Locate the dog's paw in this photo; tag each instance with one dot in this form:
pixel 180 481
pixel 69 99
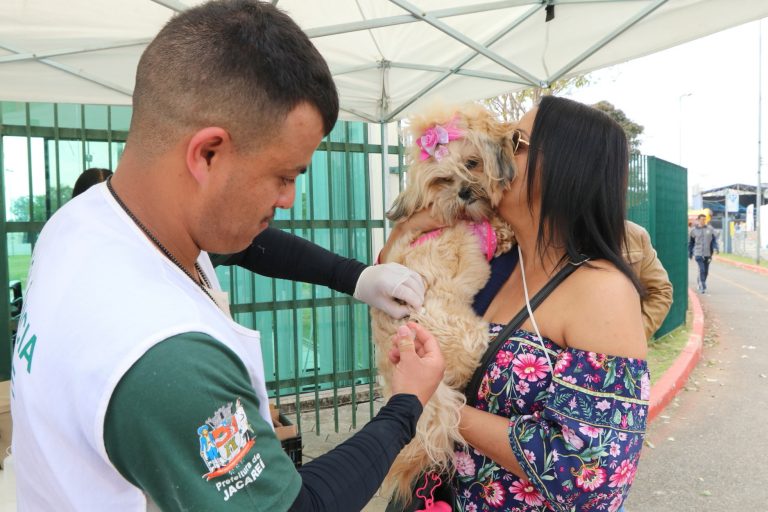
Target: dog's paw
pixel 505 237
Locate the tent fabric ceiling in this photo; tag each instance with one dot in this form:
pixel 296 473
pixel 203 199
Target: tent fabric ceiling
pixel 387 56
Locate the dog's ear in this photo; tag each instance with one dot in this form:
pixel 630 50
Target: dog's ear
pixel 405 204
pixel 499 158
pixel 505 159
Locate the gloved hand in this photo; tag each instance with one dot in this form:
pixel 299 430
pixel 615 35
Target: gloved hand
pixel 380 285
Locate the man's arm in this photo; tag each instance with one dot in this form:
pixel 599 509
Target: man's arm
pixel 654 278
pixel 172 425
pixel 166 431
pixel 691 244
pixel 279 254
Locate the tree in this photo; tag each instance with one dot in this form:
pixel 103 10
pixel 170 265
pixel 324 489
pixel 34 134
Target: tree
pixel 631 128
pixel 512 105
pixel 20 205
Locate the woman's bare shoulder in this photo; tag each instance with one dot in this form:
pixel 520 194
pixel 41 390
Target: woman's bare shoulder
pixel 604 312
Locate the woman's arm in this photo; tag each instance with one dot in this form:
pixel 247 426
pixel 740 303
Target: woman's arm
pixel 489 434
pixel 412 227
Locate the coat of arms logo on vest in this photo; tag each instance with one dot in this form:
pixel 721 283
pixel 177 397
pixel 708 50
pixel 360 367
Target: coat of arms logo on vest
pixel 225 438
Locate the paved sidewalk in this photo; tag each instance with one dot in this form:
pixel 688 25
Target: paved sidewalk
pixel 315 445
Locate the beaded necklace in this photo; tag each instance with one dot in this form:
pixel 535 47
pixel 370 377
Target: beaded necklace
pixel 203 283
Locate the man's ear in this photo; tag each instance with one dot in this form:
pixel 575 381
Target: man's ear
pixel 205 149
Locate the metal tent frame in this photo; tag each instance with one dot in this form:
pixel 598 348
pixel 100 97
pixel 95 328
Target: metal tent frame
pixel 461 49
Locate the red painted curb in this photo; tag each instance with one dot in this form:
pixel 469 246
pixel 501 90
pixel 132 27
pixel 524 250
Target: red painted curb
pixel 676 375
pixel 745 266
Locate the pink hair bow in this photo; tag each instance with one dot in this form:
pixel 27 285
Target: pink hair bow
pixel 435 139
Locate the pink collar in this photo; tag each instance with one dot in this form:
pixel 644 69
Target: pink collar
pixel 482 230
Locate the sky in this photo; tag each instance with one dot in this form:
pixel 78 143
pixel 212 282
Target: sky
pixel 698 103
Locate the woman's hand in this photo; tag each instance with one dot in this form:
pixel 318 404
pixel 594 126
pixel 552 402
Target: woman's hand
pixel 421 222
pixel 413 227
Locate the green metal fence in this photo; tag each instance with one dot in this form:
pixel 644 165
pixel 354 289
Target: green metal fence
pixel 657 200
pixel 313 339
pixel 316 342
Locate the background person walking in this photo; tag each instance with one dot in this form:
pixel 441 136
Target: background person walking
pixel 702 242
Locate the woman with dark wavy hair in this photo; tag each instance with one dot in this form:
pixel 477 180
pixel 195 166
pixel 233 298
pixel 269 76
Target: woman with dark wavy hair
pixel 558 418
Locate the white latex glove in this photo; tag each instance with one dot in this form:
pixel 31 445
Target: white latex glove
pixel 381 286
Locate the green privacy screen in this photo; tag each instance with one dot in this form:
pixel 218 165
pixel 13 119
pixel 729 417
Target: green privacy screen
pixel 657 200
pixel 668 221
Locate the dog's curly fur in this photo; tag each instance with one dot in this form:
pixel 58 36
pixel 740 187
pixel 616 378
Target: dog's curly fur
pixel 465 185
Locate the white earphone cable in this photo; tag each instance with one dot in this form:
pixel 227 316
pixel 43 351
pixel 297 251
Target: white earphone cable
pixel 530 312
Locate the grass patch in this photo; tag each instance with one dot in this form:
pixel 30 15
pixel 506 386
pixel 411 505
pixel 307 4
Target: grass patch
pixel 743 259
pixel 18 267
pixel 663 351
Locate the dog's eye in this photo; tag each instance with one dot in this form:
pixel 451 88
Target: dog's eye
pixel 471 164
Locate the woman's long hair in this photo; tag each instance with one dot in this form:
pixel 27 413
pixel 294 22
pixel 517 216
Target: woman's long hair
pixel 579 158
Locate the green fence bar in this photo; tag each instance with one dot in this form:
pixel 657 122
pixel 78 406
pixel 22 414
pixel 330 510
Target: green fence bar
pixel 371 257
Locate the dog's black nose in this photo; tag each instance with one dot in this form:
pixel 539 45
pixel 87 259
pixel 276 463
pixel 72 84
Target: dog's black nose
pixel 465 193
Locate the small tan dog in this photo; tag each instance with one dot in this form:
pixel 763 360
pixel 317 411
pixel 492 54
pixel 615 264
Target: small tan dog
pixel 459 165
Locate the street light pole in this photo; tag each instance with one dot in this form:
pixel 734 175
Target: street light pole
pixel 680 135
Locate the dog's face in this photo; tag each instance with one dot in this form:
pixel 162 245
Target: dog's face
pixel 463 178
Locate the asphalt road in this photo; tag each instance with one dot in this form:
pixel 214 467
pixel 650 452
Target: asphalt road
pixel 708 450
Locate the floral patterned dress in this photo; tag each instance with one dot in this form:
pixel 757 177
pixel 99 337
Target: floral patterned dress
pixel 577 434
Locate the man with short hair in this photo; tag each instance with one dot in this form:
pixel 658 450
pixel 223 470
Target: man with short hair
pixel 702 243
pixel 128 368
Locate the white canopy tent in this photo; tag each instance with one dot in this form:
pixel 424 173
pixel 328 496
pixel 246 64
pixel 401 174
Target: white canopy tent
pixel 387 56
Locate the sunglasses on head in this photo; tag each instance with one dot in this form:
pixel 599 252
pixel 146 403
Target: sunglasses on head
pixel 518 141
